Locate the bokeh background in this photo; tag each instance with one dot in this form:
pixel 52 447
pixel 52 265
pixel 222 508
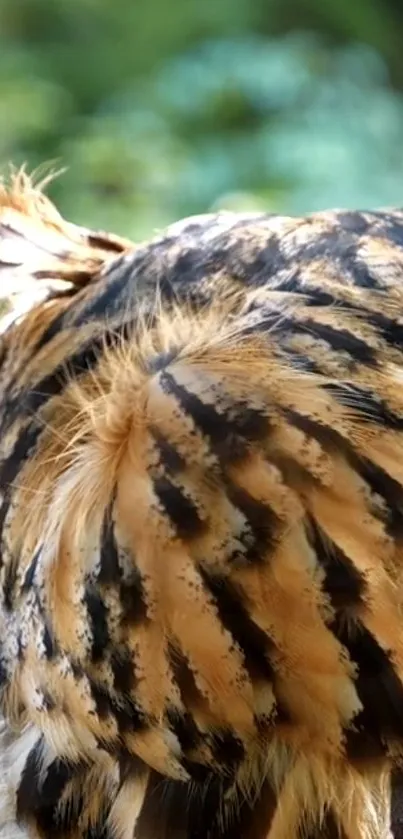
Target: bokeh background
pixel 163 108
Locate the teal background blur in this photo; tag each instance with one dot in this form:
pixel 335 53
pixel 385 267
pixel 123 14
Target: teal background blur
pixel 163 108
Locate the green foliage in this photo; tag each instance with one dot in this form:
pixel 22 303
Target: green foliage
pixel 162 110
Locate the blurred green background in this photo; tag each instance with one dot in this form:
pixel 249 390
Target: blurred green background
pixel 163 108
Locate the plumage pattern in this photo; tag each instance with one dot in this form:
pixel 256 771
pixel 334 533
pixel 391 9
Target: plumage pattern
pixel 202 527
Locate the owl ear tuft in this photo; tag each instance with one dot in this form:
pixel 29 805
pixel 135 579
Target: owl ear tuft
pixel 37 245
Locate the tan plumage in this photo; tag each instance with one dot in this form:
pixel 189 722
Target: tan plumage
pixel 201 525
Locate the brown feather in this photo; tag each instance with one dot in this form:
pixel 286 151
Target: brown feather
pixel 201 527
